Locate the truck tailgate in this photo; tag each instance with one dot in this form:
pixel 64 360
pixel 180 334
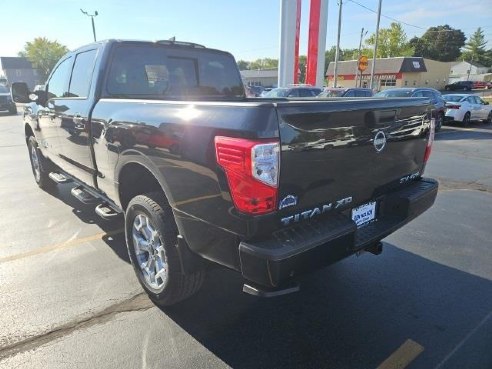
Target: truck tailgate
pixel 343 153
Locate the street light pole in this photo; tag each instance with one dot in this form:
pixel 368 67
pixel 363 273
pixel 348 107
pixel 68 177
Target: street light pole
pixel 337 52
pixel 375 45
pixel 92 19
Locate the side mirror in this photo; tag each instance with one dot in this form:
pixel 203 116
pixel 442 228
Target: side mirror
pixel 20 92
pixel 486 103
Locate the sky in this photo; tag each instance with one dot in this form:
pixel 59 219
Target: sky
pixel 249 29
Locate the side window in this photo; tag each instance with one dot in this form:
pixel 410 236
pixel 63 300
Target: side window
pixel 304 92
pixel 418 94
pixel 470 100
pixel 82 74
pixel 293 93
pixel 58 83
pixel 430 95
pixel 350 93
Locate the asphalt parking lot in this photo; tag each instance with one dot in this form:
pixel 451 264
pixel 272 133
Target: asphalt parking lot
pixel 69 297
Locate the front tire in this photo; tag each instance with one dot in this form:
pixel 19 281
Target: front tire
pixel 39 165
pixel 151 238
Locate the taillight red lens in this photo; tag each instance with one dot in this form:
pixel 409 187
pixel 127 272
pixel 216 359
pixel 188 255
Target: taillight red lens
pixel 251 168
pixel 452 106
pixel 430 141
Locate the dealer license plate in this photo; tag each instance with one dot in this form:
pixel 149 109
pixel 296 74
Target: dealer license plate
pixel 364 214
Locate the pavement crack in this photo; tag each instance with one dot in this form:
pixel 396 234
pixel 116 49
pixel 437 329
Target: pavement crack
pixel 138 302
pixel 447 184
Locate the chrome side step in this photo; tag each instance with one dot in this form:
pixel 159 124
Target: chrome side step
pixel 59 178
pixel 83 196
pixel 107 212
pixel 260 291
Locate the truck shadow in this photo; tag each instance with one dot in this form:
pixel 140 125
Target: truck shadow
pixel 353 314
pixel 114 237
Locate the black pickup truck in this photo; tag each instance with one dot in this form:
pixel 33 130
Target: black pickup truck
pixel 162 133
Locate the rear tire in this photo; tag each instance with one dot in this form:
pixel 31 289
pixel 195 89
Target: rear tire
pixel 489 118
pixel 151 238
pixel 13 110
pixel 39 165
pixel 466 119
pixel 439 121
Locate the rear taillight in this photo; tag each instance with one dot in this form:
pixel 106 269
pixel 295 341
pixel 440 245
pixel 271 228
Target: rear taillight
pixel 430 141
pixel 452 106
pixel 252 171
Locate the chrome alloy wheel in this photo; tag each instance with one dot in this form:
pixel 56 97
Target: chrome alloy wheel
pixel 150 253
pixel 35 163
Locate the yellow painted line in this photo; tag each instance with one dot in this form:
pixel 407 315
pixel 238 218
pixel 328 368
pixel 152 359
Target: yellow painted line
pixel 196 199
pixel 403 356
pixel 60 246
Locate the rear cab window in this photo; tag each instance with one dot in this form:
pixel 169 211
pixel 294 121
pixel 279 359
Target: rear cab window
pixel 153 71
pixel 83 67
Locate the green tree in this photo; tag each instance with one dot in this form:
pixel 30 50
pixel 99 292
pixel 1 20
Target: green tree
pixel 474 50
pixel 392 42
pixel 43 54
pixel 302 68
pixel 442 43
pixel 264 63
pixel 345 54
pixel 243 64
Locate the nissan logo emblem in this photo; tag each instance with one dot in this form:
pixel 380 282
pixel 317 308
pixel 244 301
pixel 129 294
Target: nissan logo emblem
pixel 379 141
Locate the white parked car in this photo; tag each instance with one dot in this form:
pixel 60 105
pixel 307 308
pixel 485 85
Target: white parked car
pixel 465 108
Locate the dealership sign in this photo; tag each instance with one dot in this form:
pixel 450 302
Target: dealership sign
pixel 381 76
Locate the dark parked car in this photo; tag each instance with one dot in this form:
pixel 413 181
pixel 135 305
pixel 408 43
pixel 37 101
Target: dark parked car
pixel 346 92
pixel 6 103
pixel 460 85
pixel 295 91
pixel 434 96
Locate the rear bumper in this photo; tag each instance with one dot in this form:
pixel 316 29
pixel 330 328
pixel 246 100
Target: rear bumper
pixel 453 115
pixel 300 249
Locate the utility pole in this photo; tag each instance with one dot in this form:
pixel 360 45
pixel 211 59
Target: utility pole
pixel 92 19
pixel 337 53
pixel 362 34
pixel 375 45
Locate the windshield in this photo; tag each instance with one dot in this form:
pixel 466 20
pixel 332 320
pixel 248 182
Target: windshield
pixel 4 89
pixel 394 93
pixel 277 92
pixel 453 98
pixel 156 72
